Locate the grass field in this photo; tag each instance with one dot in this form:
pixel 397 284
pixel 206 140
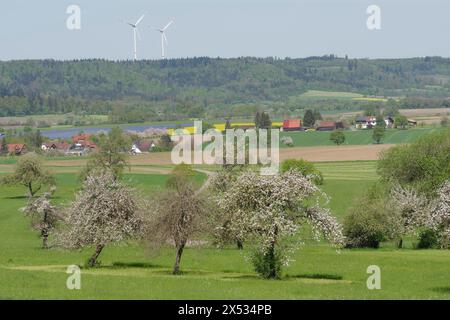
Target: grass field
pixel 359 137
pixel 127 272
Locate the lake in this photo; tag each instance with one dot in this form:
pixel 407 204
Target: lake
pixel 69 133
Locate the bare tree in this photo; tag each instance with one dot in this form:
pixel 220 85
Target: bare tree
pixel 43 214
pixel 176 213
pixel 105 211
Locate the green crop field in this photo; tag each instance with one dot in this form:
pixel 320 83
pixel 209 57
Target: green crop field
pixel 128 272
pixel 317 94
pixel 359 137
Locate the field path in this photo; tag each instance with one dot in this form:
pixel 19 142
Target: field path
pixel 205 186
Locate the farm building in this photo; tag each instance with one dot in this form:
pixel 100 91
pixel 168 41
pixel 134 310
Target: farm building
pixel 329 126
pixel 292 125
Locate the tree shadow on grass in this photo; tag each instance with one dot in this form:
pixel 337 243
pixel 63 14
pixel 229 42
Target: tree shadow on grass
pixel 16 197
pixel 442 290
pixel 124 265
pixel 315 276
pixel 318 276
pixel 243 277
pixel 184 272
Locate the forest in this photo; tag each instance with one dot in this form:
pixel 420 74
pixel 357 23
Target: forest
pixel 174 89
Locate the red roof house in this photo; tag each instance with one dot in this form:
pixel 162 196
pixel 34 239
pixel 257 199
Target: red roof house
pixel 84 141
pixel 16 149
pixel 81 138
pixel 292 125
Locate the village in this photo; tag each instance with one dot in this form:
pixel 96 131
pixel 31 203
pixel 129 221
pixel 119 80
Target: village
pixel 159 140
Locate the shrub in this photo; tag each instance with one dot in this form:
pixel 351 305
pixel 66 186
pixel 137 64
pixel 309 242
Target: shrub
pixel 338 137
pixel 367 223
pixel 287 141
pixel 306 168
pixel 268 264
pixel 427 239
pixel 422 165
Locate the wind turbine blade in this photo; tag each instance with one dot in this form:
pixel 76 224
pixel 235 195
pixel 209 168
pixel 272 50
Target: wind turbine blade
pixel 165 39
pixel 139 21
pixel 168 25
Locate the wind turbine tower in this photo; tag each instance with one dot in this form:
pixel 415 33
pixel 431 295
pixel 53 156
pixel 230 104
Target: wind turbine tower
pixel 164 41
pixel 135 34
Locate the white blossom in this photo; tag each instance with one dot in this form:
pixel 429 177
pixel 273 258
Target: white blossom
pixel 439 215
pixel 272 207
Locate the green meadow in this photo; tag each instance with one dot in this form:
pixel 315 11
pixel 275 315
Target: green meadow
pixel 128 271
pixel 359 137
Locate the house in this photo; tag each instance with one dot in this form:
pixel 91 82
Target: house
pixel 16 149
pixel 135 149
pixel 142 146
pixel 389 122
pixel 365 122
pixel 292 125
pixel 329 126
pixel 60 146
pixel 77 150
pixel 83 141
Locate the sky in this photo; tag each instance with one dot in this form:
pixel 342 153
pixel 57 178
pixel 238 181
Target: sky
pixel 32 29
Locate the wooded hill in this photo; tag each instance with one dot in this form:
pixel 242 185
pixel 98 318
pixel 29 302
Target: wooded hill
pixel 213 87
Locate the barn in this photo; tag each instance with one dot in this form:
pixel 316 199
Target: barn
pixel 328 126
pixel 292 125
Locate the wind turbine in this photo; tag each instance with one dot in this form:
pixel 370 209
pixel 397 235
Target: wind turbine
pixel 135 33
pixel 164 41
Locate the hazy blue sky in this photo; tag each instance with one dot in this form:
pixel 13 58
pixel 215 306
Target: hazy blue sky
pixel 226 28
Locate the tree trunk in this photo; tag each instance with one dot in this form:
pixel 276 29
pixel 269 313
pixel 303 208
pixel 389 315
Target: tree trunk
pixel 44 231
pixel 240 245
pixel 44 234
pixel 30 190
pixel 93 258
pixel 176 267
pixel 271 258
pixel 400 243
pixel 445 239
